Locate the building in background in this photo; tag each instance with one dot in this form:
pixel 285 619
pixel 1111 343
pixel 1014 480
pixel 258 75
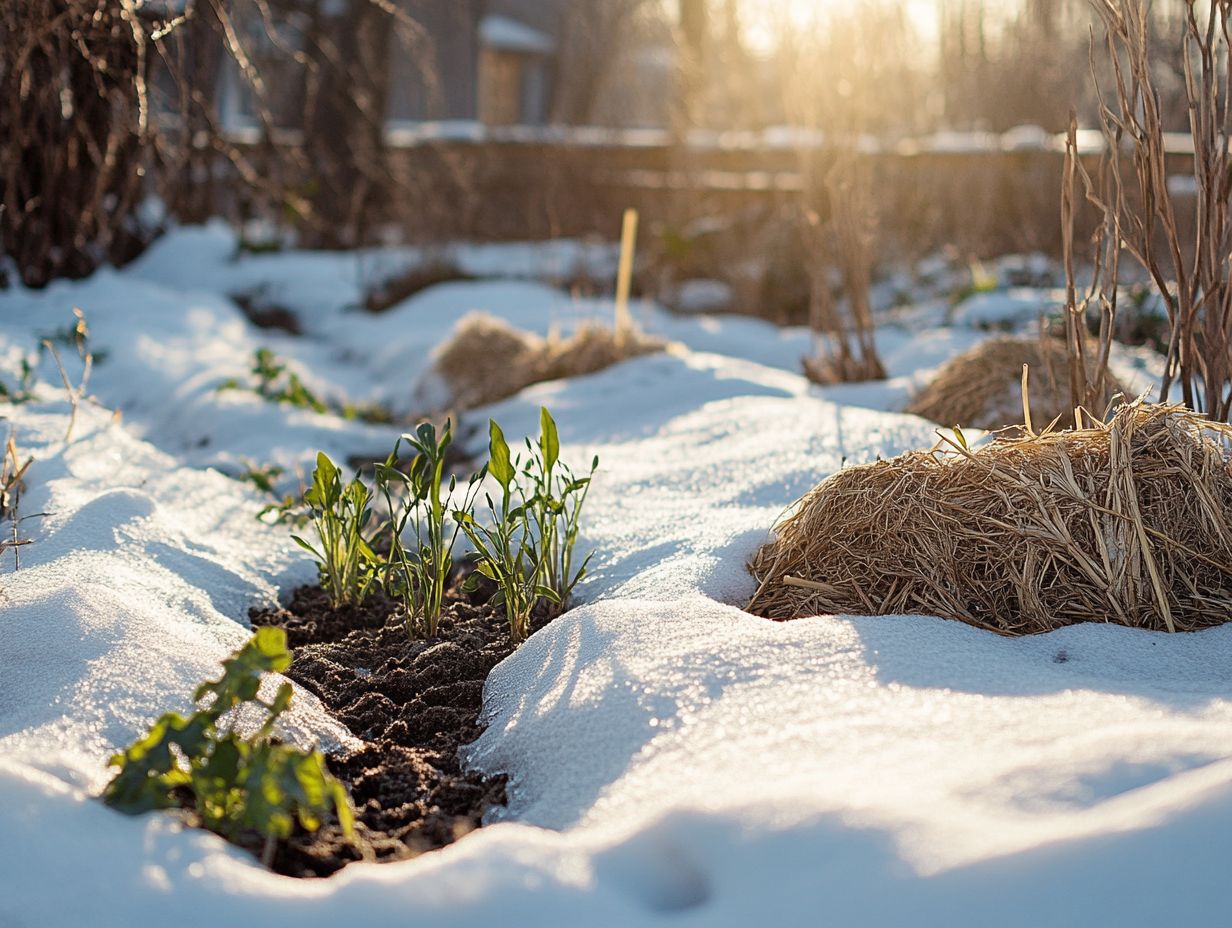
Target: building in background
pixel 478 62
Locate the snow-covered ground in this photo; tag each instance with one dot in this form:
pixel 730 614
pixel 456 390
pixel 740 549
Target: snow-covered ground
pixel 670 757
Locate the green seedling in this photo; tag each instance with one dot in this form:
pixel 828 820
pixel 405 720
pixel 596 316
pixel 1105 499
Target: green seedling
pixel 263 476
pixel 348 567
pixel 23 390
pixel 555 507
pixel 372 413
pixel 284 508
pixel 506 553
pixel 419 574
pixel 982 281
pixel 527 549
pixel 237 784
pixel 274 382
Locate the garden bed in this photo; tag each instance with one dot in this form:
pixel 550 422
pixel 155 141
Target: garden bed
pixel 413 702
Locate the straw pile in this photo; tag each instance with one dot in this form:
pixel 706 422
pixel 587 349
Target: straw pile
pixel 487 359
pixel 982 388
pixel 1125 521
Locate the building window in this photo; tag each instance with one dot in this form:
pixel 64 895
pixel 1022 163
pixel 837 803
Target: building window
pixel 512 85
pixel 500 87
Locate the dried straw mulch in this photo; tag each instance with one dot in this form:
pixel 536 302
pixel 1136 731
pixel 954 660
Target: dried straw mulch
pixel 1125 521
pixel 487 359
pixel 982 388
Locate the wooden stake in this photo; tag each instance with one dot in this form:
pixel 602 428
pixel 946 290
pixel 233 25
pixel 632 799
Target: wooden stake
pixel 624 276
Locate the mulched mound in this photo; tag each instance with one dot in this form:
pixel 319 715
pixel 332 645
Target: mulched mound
pixel 414 703
pixel 982 388
pixel 487 360
pixel 1126 522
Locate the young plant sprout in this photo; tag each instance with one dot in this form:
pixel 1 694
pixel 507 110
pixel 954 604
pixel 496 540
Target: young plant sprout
pixel 555 506
pixel 419 576
pixel 527 550
pixel 236 783
pixel 276 383
pixel 507 554
pixel 525 547
pixel 347 565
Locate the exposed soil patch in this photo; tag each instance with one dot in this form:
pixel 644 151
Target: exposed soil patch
pixel 267 315
pixel 392 291
pixel 413 702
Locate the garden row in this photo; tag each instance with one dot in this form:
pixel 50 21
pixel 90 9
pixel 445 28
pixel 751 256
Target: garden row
pixel 396 641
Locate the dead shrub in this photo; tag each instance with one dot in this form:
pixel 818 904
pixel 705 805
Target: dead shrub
pixel 487 359
pixel 1140 216
pixel 74 128
pixel 982 388
pixel 1123 522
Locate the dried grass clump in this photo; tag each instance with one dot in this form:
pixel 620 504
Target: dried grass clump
pixel 593 347
pixel 1125 522
pixel 982 388
pixel 487 359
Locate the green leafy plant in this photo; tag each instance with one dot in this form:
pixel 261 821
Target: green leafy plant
pixel 237 784
pixel 372 413
pixel 284 507
pixel 526 548
pixel 262 476
pixel 505 549
pixel 23 390
pixel 418 576
pixel 347 565
pixel 981 281
pixel 557 496
pixel 287 509
pixel 274 382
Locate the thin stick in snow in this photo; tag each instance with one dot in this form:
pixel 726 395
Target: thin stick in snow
pixel 624 276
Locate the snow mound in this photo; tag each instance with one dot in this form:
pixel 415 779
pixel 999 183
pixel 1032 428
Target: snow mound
pixel 1007 309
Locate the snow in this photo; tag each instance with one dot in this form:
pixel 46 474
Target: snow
pixel 703 296
pixel 508 34
pixel 1028 138
pixel 1008 308
pixel 669 755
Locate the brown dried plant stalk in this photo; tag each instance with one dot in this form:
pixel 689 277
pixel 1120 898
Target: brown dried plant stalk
pixel 1089 380
pixel 1189 267
pixel 844 346
pixel 12 474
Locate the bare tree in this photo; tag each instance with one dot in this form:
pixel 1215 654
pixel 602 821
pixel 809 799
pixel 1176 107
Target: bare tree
pixel 694 32
pixel 593 34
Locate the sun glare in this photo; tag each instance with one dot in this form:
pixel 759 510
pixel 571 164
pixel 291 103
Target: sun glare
pixel 766 21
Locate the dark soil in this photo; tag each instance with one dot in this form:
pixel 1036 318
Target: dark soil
pixel 413 702
pixel 266 315
pixel 394 290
